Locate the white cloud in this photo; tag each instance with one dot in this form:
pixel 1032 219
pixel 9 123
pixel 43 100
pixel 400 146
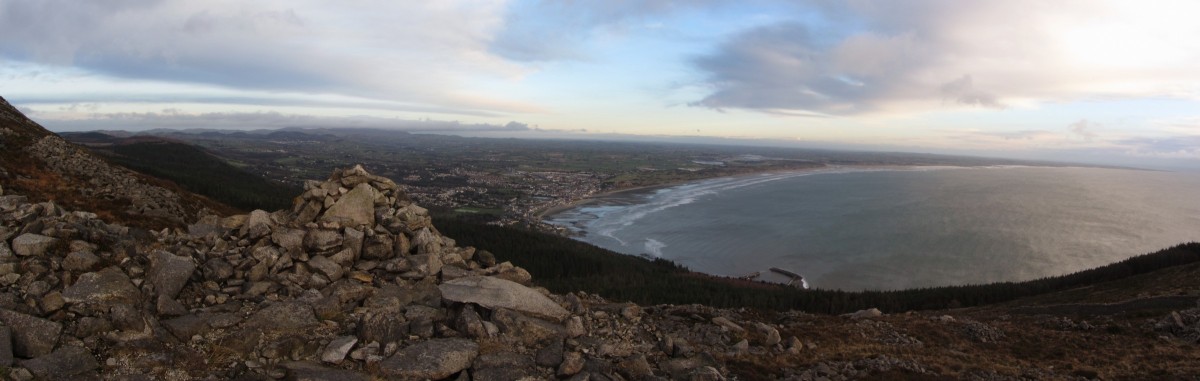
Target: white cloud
pixel 418 52
pixel 891 56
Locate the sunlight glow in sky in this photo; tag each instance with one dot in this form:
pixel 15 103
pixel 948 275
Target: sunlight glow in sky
pixel 1100 81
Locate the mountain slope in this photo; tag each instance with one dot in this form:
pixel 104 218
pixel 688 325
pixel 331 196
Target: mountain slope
pixel 45 167
pixel 190 166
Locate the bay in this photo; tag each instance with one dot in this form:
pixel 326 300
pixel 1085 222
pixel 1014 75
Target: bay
pixel 895 228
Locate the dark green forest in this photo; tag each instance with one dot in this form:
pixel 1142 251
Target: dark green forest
pixel 202 173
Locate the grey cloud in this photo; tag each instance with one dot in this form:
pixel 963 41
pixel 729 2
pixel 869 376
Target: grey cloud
pixel 516 126
pixel 1178 147
pixel 1082 129
pixel 963 91
pixel 786 67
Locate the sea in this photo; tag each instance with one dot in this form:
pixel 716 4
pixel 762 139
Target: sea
pixel 855 228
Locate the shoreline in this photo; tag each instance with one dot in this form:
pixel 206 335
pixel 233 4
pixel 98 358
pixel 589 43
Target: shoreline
pixel 541 215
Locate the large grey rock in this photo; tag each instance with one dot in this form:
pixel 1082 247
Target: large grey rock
pixel 169 273
pixel 434 359
pixel 382 328
pixel 505 366
pixel 68 362
pixel 258 224
pixel 307 371
pixel 283 316
pixel 494 293
pixel 524 329
pixel 31 336
pixel 30 244
pixel 105 288
pixel 355 208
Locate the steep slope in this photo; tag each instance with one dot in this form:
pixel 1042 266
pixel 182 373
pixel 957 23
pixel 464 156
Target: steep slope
pixel 355 283
pixel 43 166
pixel 189 166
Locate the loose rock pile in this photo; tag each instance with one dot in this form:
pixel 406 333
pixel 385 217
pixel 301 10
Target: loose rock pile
pixel 353 282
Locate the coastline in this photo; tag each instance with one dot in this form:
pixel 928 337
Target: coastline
pixel 542 213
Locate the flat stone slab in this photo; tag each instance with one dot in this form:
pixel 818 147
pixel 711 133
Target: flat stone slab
pixel 493 293
pixel 104 287
pixel 431 360
pixel 307 371
pixel 66 363
pixel 355 208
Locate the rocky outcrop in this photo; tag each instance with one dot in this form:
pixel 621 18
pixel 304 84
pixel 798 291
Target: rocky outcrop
pixel 44 166
pixel 353 282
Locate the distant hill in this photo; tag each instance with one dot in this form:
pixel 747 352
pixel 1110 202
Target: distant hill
pixel 45 167
pixel 192 167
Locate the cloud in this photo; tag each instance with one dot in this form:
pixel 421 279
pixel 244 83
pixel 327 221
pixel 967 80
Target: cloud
pixel 1082 129
pixel 547 30
pixel 962 90
pixel 1178 147
pixel 914 56
pixel 178 119
pixel 426 53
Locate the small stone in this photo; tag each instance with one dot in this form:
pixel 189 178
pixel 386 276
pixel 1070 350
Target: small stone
pixel 575 327
pixel 30 244
pixel 572 363
pixel 771 335
pixel 337 349
pixel 80 261
pixel 258 224
pixel 635 368
pixel 323 265
pixel 865 314
pixel 169 273
pixel 741 346
pixel 20 374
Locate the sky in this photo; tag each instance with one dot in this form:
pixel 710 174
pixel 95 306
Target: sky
pixel 1094 81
